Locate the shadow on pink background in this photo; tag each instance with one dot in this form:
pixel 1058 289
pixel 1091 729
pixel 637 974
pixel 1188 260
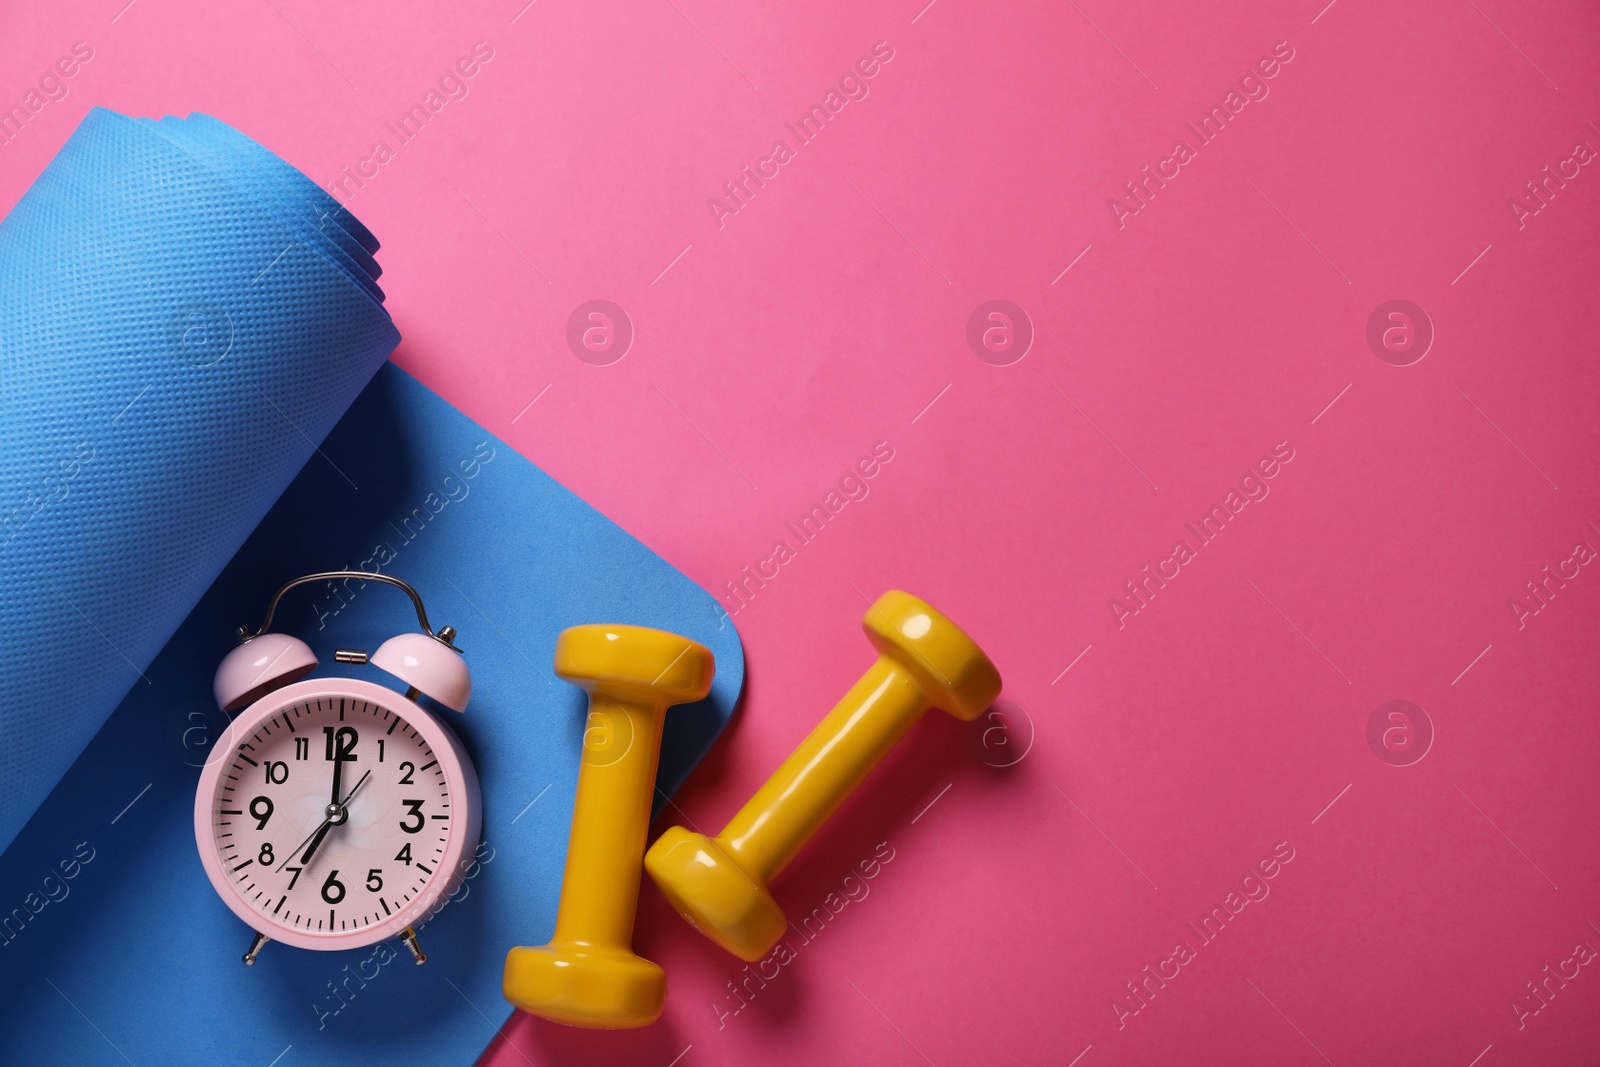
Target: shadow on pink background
pixel 1212 325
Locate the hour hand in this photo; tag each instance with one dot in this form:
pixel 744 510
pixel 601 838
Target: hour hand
pixel 316 840
pixel 320 832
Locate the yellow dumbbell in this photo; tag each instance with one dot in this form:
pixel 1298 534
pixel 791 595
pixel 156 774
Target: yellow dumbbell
pixel 720 884
pixel 588 975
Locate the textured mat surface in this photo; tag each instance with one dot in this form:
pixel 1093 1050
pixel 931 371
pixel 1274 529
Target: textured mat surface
pixel 137 939
pixel 182 315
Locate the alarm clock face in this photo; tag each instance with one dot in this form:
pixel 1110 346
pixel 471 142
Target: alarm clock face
pixel 334 813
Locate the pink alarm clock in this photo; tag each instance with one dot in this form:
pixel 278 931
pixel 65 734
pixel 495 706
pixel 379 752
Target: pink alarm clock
pixel 334 812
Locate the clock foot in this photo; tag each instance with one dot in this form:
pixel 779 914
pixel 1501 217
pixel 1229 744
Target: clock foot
pixel 255 947
pixel 409 936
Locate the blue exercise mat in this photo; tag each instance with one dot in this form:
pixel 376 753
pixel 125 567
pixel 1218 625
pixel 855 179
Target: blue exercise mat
pixel 113 946
pixel 182 315
pixel 140 944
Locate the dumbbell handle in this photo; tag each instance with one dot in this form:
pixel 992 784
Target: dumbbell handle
pixel 610 821
pixel 833 759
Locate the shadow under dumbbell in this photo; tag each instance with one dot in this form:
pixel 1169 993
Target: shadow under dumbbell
pixel 910 784
pixel 831 880
pixel 713 768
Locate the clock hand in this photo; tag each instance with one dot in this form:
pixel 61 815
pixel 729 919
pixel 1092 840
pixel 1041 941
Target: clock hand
pixel 322 829
pixel 314 838
pixel 333 804
pixel 327 824
pixel 338 767
pixel 346 801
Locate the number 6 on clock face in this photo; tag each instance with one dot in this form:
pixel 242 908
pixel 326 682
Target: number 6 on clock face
pixel 335 813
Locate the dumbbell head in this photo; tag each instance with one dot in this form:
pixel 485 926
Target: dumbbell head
pixel 949 666
pixel 730 905
pixel 635 663
pixel 601 986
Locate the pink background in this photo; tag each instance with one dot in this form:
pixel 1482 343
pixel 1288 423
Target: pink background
pixel 1160 760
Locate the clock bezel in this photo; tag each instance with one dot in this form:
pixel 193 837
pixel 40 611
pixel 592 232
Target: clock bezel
pixel 458 770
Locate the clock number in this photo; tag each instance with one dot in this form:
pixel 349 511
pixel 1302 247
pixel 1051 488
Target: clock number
pixel 277 771
pixel 409 768
pixel 380 750
pixel 374 880
pixel 404 855
pixel 265 857
pixel 415 809
pixel 302 748
pixel 296 877
pixel 333 889
pixel 261 811
pixel 341 743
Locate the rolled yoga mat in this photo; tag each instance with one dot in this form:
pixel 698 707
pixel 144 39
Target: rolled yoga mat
pixel 181 258
pixel 183 318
